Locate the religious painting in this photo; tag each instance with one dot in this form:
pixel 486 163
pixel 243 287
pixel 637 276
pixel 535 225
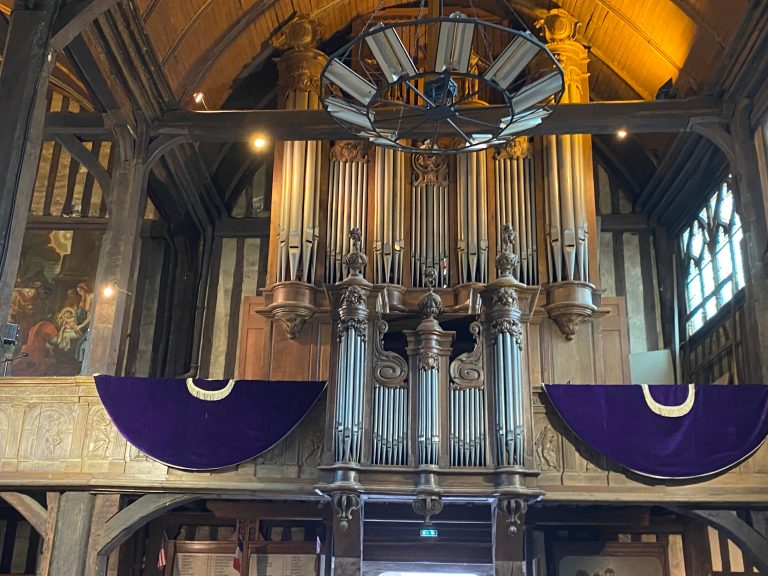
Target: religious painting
pixel 611 559
pixel 52 302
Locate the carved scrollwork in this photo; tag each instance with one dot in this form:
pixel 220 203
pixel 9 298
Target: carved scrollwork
pixel 349 151
pixel 345 503
pixel 429 361
pixel 467 370
pixel 508 326
pixel 359 325
pixel 515 148
pixel 513 508
pixel 427 506
pixel 389 369
pixel 430 169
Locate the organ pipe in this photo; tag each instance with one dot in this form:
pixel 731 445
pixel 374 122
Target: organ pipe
pixel 515 204
pixel 389 191
pixel 429 219
pixel 298 225
pixel 348 204
pixel 472 245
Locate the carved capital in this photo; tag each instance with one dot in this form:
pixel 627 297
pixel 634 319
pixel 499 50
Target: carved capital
pixel 506 298
pixel 429 361
pixel 301 33
pixel 558 25
pixel 344 504
pixel 508 326
pixel 359 325
pixel 354 297
pixel 513 509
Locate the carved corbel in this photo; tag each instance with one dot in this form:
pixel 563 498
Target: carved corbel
pixel 513 509
pixel 569 304
pixel 344 504
pixel 428 505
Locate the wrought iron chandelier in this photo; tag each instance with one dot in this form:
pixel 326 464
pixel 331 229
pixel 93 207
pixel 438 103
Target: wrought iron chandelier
pixel 441 85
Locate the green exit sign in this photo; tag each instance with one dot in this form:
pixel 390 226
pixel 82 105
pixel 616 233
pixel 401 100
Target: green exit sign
pixel 428 532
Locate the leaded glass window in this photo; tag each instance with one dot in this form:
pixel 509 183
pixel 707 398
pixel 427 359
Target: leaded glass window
pixel 711 248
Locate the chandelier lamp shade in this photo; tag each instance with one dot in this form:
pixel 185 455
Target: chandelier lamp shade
pixel 445 84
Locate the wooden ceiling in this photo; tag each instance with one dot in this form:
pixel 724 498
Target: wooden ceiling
pixel 636 45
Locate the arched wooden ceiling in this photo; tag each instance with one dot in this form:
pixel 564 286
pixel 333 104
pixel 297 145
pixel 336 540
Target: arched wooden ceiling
pixel 636 45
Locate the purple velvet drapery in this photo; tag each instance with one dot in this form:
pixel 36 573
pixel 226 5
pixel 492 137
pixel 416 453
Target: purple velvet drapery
pixel 724 426
pixel 161 418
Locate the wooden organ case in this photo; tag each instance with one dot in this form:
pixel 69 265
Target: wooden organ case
pixel 374 253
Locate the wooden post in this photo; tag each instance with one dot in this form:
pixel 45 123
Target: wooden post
pixel 72 534
pixel 508 548
pixel 26 68
pixel 752 211
pixel 347 546
pixel 117 260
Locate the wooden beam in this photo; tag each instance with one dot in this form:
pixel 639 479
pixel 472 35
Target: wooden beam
pixel 84 125
pixel 240 125
pixel 624 223
pixel 591 118
pixel 87 158
pixel 74 16
pixel 32 511
pixel 123 524
pixel 24 76
pixel 751 542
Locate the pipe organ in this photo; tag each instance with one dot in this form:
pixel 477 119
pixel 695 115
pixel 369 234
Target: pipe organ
pixel 427 355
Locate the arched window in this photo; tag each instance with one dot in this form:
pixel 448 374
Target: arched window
pixel 711 249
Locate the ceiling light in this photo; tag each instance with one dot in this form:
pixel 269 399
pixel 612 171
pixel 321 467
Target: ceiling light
pixel 511 62
pixel 391 55
pixel 259 142
pixel 621 133
pixel 349 81
pixel 483 84
pixel 454 45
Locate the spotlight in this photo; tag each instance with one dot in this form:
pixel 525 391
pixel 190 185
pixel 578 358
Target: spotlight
pixel 108 291
pixel 259 143
pixel 621 133
pixel 199 99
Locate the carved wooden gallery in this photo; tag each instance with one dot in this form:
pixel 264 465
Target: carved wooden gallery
pixel 383 288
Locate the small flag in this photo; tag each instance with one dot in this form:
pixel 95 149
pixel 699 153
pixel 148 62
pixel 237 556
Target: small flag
pixel 162 556
pixel 238 554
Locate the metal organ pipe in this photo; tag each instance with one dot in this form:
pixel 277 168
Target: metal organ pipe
pixel 429 218
pixel 472 247
pixel 347 204
pixel 515 201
